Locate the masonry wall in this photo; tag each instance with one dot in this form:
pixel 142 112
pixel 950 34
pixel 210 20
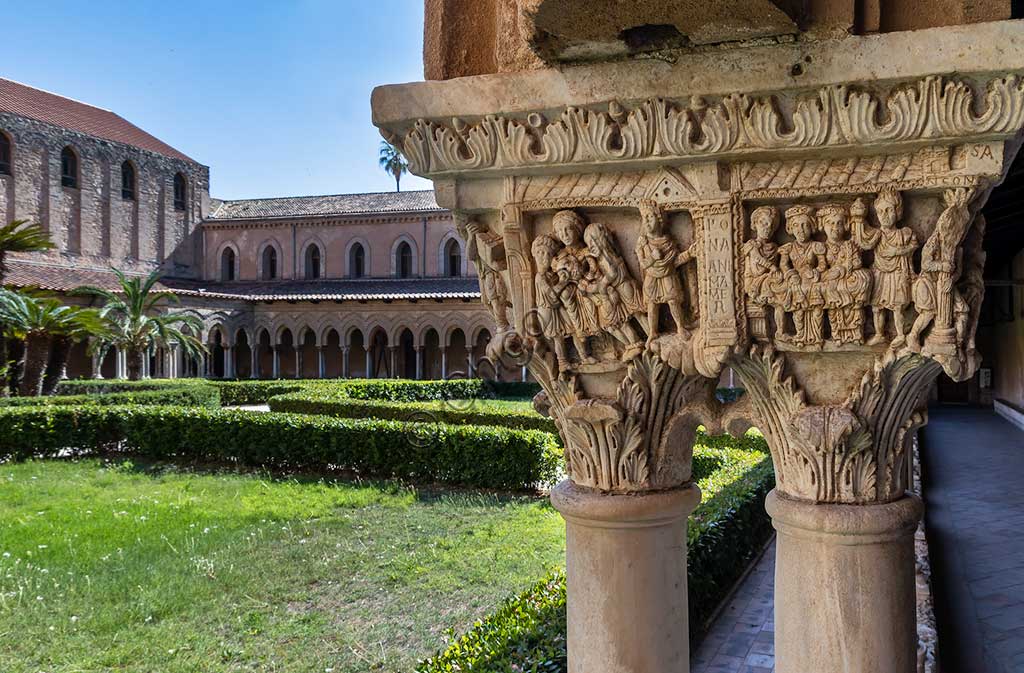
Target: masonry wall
pixel 92 225
pixel 426 233
pixel 1003 345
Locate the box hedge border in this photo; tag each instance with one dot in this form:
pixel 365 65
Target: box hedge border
pixel 725 533
pixel 182 395
pixel 328 403
pixel 478 456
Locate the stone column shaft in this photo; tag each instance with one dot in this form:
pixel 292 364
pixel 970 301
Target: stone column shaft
pixel 277 363
pixel 444 362
pixel 845 586
pixel 344 362
pixel 321 363
pixel 626 574
pixel 419 362
pixel 254 362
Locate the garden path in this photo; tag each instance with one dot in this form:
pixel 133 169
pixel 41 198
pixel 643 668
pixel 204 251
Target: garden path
pixel 742 638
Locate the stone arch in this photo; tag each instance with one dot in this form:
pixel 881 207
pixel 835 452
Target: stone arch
pixel 377 343
pixel 367 270
pixel 7 148
pixel 442 255
pixel 304 258
pixel 302 327
pixel 415 267
pixel 261 260
pixel 129 179
pixel 397 329
pixel 219 260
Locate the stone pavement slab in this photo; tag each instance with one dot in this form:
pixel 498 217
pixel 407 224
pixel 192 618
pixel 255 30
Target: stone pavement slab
pixel 973 463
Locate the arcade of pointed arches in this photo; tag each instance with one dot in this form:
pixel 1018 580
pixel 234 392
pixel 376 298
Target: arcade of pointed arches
pixel 290 347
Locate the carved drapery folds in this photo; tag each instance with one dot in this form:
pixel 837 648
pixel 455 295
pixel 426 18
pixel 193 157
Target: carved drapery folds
pixel 648 248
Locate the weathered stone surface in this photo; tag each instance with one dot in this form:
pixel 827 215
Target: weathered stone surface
pixel 806 214
pixel 464 38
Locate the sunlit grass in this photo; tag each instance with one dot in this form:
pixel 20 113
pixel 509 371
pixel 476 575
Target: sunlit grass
pixel 112 567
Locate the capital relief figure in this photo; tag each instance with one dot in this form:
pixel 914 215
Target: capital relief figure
pixel 802 263
pixel 761 277
pixel 486 249
pixel 847 282
pixel 660 258
pixel 892 271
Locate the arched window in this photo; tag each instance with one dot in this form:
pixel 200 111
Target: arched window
pixel 180 191
pixel 128 181
pixel 5 154
pixel 269 263
pixel 357 261
pixel 312 261
pixel 68 168
pixel 403 260
pixel 452 258
pixel 227 264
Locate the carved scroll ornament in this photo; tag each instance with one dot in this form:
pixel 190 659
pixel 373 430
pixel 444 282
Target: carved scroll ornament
pixel 835 116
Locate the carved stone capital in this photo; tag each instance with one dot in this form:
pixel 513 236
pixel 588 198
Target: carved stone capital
pixel 823 239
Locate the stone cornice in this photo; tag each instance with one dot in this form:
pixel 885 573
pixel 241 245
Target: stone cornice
pixel 412 217
pixel 762 106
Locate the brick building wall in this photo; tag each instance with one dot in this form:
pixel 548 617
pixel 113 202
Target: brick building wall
pixel 92 225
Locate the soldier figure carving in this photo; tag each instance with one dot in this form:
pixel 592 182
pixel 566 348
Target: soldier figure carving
pixel 660 258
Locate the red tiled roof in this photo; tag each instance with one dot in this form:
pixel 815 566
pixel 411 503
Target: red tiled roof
pixel 331 204
pixel 26 101
pixel 64 279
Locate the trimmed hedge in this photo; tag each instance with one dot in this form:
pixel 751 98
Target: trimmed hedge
pixel 256 391
pixel 725 532
pixel 487 457
pixel 513 388
pixel 328 403
pixel 107 386
pixel 405 390
pixel 185 396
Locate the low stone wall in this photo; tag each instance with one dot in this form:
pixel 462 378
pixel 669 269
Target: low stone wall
pixel 1009 412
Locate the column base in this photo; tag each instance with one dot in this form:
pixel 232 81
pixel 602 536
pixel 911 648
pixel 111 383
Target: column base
pixel 626 574
pixel 845 586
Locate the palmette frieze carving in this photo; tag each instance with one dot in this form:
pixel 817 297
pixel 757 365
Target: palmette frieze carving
pixel 933 108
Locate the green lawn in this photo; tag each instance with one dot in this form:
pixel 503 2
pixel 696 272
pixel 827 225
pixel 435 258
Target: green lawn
pixel 114 567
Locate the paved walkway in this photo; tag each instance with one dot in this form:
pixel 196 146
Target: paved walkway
pixel 742 639
pixel 973 464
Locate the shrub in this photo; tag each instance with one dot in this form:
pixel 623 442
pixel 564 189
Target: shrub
pixel 404 390
pixel 314 401
pixel 256 391
pixel 106 386
pixel 186 396
pixel 487 457
pixel 725 532
pixel 513 388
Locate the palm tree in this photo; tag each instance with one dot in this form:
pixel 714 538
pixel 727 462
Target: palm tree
pixel 134 323
pixel 391 160
pixel 78 324
pixel 33 320
pixel 18 236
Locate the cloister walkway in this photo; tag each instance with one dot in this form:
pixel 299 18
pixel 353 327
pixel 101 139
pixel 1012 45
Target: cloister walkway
pixel 973 462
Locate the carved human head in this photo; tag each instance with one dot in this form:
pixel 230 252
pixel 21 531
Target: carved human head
pixel 544 248
pixel 568 226
pixel 764 220
pixel 800 222
pixel 650 218
pixel 889 207
pixel 832 219
pixel 598 238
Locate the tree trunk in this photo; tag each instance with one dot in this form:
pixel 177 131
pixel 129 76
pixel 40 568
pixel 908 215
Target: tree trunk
pixel 135 364
pixel 37 354
pixel 57 365
pixel 16 360
pixel 4 368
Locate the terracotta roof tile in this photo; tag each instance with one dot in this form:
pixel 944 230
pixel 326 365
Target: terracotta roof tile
pixel 332 204
pixel 26 101
pixel 369 289
pixel 64 279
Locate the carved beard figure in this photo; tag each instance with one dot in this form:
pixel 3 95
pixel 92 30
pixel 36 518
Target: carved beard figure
pixel 802 262
pixel 760 273
pixel 847 283
pixel 572 265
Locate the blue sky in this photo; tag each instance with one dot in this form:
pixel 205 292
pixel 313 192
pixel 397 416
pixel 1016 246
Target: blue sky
pixel 273 96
